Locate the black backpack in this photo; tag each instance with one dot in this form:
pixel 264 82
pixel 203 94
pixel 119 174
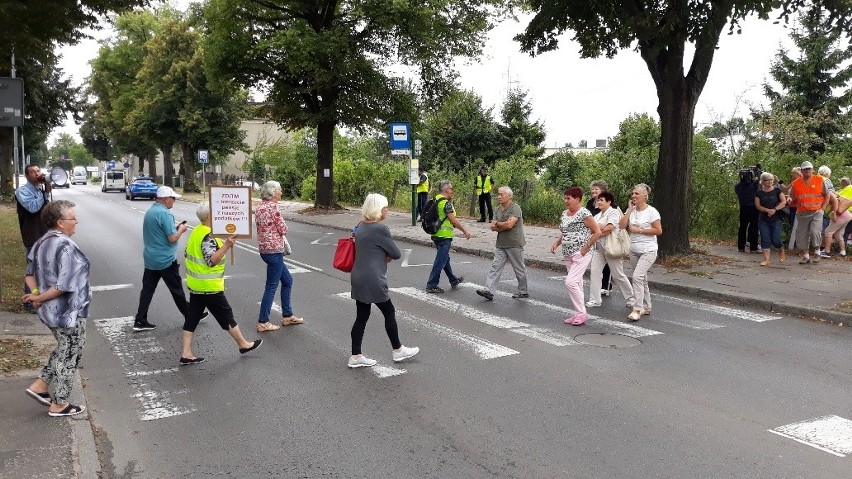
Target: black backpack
pixel 431 222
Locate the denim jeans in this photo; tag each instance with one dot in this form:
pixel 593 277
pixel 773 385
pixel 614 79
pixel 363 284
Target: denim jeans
pixel 770 233
pixel 276 272
pixel 442 262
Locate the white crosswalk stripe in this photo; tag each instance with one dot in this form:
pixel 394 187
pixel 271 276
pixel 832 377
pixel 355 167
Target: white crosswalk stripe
pixel 483 348
pixel 541 334
pixel 735 313
pixel 131 349
pixel 608 325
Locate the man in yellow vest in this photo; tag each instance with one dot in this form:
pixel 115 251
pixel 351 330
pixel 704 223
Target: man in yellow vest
pixel 443 239
pixel 422 191
pixel 483 184
pixel 205 278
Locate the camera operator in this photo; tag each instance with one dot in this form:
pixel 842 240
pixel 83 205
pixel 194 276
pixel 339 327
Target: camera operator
pixel 746 190
pixel 31 199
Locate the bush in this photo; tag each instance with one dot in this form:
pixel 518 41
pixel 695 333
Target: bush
pixel 544 206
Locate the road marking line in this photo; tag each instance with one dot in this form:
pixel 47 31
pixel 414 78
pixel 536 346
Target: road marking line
pixel 541 334
pixel 128 347
pixel 135 374
pixel 481 347
pixel 736 313
pixel 318 240
pixel 110 287
pixel 406 253
pixel 615 327
pixel 831 434
pixel 301 268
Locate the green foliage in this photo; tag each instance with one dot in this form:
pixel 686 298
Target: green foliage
pixel 560 169
pixel 519 135
pixel 461 134
pixel 543 207
pixel 714 211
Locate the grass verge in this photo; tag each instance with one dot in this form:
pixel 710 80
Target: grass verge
pixel 13 262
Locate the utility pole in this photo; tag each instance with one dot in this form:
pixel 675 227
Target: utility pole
pixel 15 164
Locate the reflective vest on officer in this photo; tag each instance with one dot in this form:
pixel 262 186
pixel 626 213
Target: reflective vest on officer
pixel 809 196
pixel 201 278
pixel 424 187
pixel 483 186
pixel 446 228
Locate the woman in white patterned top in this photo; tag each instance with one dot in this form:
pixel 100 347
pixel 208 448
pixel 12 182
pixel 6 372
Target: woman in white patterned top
pixel 578 233
pixel 642 221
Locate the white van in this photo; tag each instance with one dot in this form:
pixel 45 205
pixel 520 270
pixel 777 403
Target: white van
pixel 114 180
pixel 79 176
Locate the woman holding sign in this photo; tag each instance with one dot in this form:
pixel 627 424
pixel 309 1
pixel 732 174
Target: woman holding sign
pixel 272 246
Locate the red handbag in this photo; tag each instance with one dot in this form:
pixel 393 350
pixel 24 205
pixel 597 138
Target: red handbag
pixel 344 255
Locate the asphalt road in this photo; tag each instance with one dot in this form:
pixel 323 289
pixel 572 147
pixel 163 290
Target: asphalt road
pixel 500 389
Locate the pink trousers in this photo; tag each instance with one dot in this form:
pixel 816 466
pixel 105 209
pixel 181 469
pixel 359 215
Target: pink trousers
pixel 576 265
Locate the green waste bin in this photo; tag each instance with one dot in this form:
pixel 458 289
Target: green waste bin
pixel 176 181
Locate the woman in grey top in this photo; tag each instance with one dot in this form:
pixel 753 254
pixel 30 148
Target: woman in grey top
pixel 58 278
pixel 374 249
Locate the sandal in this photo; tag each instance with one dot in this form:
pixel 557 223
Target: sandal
pixel 291 320
pixel 43 398
pixel 70 410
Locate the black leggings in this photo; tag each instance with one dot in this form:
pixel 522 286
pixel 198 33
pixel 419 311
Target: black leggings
pixel 361 317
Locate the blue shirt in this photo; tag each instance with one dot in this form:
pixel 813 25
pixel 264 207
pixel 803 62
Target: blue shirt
pixel 158 225
pixel 56 261
pixel 30 197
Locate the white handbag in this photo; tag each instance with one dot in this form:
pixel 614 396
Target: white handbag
pixel 287 248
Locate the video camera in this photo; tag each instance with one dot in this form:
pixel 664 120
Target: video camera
pixel 751 173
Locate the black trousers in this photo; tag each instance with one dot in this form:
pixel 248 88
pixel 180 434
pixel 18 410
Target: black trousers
pixel 422 198
pixel 485 202
pixel 150 280
pixel 748 227
pixel 218 306
pixel 362 314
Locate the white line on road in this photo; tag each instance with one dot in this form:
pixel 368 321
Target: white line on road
pixel 318 241
pixel 736 313
pixel 298 268
pixel 406 253
pixel 541 334
pixel 832 434
pixel 608 325
pixel 110 287
pixel 129 348
pixel 483 348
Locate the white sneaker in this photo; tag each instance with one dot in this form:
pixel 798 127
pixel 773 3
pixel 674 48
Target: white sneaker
pixel 635 315
pixel 404 353
pixel 361 362
pixel 606 292
pixel 593 304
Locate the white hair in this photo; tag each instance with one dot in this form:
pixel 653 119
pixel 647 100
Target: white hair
pixel 824 170
pixel 202 212
pixel 766 176
pixel 267 191
pixel 372 208
pixel 508 191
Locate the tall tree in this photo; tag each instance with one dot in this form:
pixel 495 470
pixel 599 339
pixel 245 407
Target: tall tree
pixel 461 134
pixel 31 30
pixel 814 83
pixel 519 133
pixel 323 63
pixel 659 31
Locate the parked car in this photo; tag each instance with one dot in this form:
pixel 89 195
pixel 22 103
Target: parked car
pixel 79 176
pixel 141 187
pixel 114 180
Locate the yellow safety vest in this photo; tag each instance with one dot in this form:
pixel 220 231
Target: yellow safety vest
pixel 445 230
pixel 424 188
pixel 201 278
pixel 486 188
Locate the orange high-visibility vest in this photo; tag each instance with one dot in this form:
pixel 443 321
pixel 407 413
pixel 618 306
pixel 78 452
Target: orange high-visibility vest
pixel 809 196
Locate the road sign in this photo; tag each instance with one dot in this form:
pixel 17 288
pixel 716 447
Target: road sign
pixel 418 148
pixel 126 164
pixel 110 165
pixel 400 136
pixel 11 102
pixel 401 152
pixel 203 156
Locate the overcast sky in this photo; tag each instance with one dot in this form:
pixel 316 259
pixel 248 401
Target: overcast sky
pixel 581 99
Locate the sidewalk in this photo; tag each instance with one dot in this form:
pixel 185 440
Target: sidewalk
pixel 810 291
pixel 33 444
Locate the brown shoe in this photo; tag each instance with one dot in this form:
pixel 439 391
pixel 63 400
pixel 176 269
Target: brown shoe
pixel 291 320
pixel 267 326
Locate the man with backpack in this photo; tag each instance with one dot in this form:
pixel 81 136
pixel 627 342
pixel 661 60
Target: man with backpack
pixel 442 235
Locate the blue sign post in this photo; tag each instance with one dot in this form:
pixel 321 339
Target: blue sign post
pixel 110 165
pixel 400 136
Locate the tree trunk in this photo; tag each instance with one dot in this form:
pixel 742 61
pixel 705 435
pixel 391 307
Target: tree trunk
pixel 672 187
pixel 152 165
pixel 189 184
pixel 168 167
pixel 141 166
pixel 325 163
pixel 7 168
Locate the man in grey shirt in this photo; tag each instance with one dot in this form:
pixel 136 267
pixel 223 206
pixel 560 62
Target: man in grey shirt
pixel 509 225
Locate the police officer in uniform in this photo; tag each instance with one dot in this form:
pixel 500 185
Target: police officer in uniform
pixel 483 185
